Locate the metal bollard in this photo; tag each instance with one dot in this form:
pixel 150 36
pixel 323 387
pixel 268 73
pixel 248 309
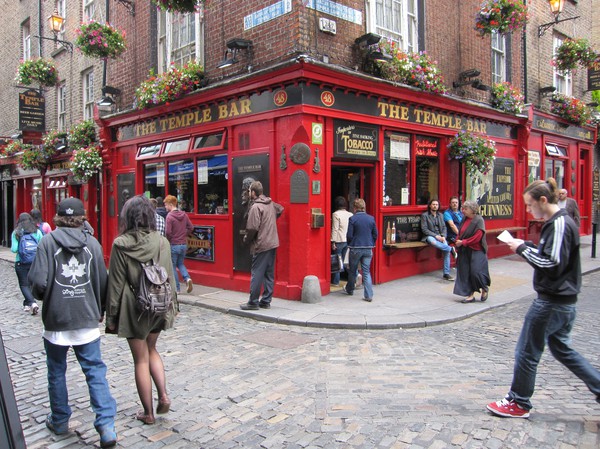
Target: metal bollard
pixel 594 230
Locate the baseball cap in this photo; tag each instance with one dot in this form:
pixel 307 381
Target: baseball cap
pixel 70 207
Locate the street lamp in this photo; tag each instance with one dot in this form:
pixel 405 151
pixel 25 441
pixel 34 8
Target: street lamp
pixel 556 7
pixel 56 22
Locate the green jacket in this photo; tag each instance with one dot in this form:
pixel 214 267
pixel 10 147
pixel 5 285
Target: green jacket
pixel 128 251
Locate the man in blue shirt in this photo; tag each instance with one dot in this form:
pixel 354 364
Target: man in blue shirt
pixel 361 237
pixel 453 217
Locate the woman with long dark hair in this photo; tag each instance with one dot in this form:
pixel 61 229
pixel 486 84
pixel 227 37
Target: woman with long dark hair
pixel 25 225
pixel 137 243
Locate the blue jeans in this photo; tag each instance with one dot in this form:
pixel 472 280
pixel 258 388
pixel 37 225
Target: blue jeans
pixel 177 257
pixel 93 367
pixel 262 275
pixel 553 323
pixel 340 249
pixel 362 256
pixel 22 271
pixel 445 248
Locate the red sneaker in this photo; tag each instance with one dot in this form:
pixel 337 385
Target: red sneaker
pixel 507 409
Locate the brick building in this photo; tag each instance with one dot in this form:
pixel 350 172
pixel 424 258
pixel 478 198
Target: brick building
pixel 302 110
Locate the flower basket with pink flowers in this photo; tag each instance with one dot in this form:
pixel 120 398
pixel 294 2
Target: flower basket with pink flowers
pixel 571 109
pixel 86 162
pixel 181 6
pixel 573 52
pixel 477 153
pixel 100 41
pixel 37 70
pixel 501 16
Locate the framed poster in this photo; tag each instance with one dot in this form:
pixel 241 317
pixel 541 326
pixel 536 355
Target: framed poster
pixel 201 244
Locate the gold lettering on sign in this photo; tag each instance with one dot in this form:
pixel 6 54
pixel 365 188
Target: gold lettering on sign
pixel 143 129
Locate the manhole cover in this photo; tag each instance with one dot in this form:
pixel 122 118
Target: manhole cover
pixel 278 339
pixel 25 345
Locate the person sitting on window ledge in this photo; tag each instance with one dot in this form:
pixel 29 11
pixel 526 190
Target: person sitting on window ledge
pixel 434 232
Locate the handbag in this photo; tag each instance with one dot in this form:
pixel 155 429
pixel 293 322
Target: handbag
pixel 336 263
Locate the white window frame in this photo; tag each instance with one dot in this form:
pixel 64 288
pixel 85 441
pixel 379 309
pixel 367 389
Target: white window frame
pixel 396 20
pixel 61 8
pixel 88 95
pixel 167 33
pixel 89 10
pixel 498 43
pixel 61 107
pixel 26 35
pixel 563 81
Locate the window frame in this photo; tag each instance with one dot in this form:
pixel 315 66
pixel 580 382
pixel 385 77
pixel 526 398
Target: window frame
pixel 89 10
pixel 61 107
pixel 26 40
pixel 563 81
pixel 404 27
pixel 88 94
pixel 499 54
pixel 165 27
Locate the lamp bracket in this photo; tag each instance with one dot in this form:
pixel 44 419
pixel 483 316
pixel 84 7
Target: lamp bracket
pixel 129 4
pixel 67 44
pixel 546 26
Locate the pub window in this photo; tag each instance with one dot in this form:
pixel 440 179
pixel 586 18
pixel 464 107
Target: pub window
pixel 177 146
pixel 427 168
pixel 181 180
pixel 149 151
pixel 396 184
pixel 154 179
pixel 208 141
pixel 212 184
pixel 554 164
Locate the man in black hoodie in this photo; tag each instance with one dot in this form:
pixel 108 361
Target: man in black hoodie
pixel 70 277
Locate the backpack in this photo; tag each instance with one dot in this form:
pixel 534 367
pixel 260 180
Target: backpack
pixel 27 248
pixel 154 294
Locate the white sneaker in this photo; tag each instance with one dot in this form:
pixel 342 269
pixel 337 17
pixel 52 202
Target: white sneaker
pixel 190 285
pixel 27 309
pixel 35 309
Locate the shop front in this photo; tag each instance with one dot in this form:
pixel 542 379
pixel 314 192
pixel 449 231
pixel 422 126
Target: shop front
pixel 308 140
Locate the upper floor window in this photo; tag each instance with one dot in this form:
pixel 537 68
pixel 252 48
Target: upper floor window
pixel 26 34
pixel 61 107
pixel 498 58
pixel 562 80
pixel 396 20
pixel 88 95
pixel 61 8
pixel 179 38
pixel 89 10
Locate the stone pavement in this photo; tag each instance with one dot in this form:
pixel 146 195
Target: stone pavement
pixel 416 301
pixel 244 383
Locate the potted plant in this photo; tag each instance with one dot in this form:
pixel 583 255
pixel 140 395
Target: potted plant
pixel 15 147
pixel 571 109
pixel 501 16
pixel 40 70
pixel 100 40
pixel 573 52
pixel 85 162
pixel 82 134
pixel 477 153
pixel 36 157
pixel 169 86
pixel 412 69
pixel 507 98
pixel 182 6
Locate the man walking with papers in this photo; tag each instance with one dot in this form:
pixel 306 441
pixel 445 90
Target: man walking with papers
pixel 550 319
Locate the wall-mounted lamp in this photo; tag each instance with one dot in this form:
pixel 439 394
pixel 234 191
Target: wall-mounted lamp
pixel 465 79
pixel 369 54
pixel 234 46
pixel 129 5
pixel 477 84
pixel 108 96
pixel 56 22
pixel 545 91
pixel 17 135
pixel 556 7
pixel 367 40
pixel 62 144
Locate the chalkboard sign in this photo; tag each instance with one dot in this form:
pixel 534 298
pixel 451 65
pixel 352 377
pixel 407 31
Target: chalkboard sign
pixel 401 228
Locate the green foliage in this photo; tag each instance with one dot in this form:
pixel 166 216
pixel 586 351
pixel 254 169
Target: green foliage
pixel 477 153
pixel 507 98
pixel 82 134
pixel 571 109
pixel 37 70
pixel 573 52
pixel 85 162
pixel 501 16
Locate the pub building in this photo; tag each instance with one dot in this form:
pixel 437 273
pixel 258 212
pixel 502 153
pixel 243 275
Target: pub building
pixel 309 139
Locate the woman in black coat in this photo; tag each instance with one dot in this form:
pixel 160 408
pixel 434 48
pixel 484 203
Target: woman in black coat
pixel 472 273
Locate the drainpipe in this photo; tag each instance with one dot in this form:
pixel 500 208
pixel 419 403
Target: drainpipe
pixel 524 43
pixel 105 59
pixel 40 28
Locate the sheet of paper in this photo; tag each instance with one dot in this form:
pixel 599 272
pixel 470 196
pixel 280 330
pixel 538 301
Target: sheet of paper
pixel 505 236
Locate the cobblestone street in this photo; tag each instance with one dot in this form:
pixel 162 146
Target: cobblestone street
pixel 240 383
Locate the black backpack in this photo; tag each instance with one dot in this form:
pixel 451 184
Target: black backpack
pixel 154 294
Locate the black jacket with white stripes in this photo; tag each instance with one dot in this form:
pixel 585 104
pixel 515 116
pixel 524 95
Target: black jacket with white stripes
pixel 556 262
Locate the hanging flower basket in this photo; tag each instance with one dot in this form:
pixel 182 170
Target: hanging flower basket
pixel 36 157
pixel 573 52
pixel 169 86
pixel 571 109
pixel 507 98
pixel 86 162
pixel 100 41
pixel 501 16
pixel 477 153
pixel 82 134
pixel 15 147
pixel 182 6
pixel 52 139
pixel 37 70
pixel 412 69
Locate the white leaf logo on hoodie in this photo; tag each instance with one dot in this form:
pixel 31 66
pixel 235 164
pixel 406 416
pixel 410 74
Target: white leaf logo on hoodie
pixel 73 269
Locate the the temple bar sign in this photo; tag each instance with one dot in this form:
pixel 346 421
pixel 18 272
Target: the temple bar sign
pixel 32 111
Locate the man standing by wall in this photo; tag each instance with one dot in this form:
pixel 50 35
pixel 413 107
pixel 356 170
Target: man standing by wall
pixel 453 217
pixel 261 234
pixel 570 205
pixel 434 233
